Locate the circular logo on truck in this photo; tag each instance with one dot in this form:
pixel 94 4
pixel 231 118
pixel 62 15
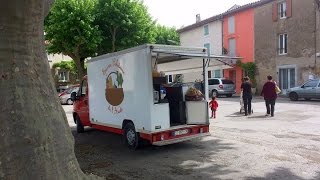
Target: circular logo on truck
pixel 114 91
pixel 114 80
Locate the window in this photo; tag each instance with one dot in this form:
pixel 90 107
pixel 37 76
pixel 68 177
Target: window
pixel 214 82
pixel 83 89
pixel 232 47
pixel 169 78
pixel 206 30
pixel 283 40
pixel 226 81
pixel 287 78
pixel 209 74
pixel 282 10
pixel 63 76
pixel 178 78
pixel 312 83
pixel 217 73
pixel 207 45
pixel 231 25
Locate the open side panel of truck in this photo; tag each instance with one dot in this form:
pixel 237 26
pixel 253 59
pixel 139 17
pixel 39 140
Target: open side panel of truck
pixel 170 60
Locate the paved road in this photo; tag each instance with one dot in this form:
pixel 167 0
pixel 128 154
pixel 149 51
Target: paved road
pixel 286 146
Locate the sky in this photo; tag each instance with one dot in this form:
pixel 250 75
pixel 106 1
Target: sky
pixel 179 13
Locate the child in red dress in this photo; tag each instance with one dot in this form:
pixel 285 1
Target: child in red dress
pixel 214 106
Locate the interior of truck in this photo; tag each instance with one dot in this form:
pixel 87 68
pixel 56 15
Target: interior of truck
pixel 166 63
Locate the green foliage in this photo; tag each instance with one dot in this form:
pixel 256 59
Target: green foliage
pixel 123 24
pixel 119 79
pixel 166 35
pixel 69 65
pixel 250 70
pixel 70 30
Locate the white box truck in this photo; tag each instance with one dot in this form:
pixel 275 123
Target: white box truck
pixel 122 94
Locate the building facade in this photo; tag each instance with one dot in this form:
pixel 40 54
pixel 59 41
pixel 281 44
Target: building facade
pixel 206 33
pixel 287 42
pixel 238 40
pixel 63 78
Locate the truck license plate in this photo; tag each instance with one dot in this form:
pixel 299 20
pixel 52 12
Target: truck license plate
pixel 181 132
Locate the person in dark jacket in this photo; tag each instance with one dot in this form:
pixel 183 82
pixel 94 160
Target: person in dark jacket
pixel 246 95
pixel 270 95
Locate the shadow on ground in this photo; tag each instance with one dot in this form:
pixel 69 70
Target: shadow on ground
pixel 105 154
pixel 249 117
pixel 283 174
pixel 281 99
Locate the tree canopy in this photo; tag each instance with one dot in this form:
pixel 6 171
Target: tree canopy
pixel 166 35
pixel 123 24
pixel 69 65
pixel 86 28
pixel 70 30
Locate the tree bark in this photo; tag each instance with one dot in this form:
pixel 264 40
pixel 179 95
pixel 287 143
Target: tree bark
pixel 79 64
pixel 35 139
pixel 113 33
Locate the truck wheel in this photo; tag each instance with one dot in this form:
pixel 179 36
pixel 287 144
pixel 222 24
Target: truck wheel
pixel 131 136
pixel 80 128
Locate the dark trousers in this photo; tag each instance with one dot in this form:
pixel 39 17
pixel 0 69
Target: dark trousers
pixel 270 106
pixel 247 104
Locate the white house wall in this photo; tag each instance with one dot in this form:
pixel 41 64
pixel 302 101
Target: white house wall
pixel 196 37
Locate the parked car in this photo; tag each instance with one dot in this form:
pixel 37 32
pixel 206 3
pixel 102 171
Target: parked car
pixel 309 90
pixel 221 86
pixel 65 96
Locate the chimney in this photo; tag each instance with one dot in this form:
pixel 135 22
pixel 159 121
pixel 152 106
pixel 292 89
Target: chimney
pixel 198 19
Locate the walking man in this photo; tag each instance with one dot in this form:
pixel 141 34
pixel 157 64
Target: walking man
pixel 270 95
pixel 246 95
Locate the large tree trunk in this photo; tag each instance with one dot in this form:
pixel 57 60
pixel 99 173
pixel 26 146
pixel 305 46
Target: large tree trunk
pixel 79 61
pixel 35 140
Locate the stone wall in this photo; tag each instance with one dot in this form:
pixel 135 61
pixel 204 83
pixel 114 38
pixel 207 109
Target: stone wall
pixel 300 29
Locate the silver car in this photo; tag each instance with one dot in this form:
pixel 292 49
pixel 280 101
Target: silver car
pixel 221 86
pixel 309 90
pixel 65 97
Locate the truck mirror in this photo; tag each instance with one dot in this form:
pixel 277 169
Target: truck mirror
pixel 74 96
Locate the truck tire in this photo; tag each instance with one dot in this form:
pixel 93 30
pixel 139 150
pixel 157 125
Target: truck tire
pixel 80 128
pixel 131 136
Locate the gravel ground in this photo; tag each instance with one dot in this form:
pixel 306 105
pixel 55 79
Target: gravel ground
pixel 286 146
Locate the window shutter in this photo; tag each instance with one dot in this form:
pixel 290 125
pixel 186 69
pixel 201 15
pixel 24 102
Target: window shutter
pixel 275 11
pixel 289 8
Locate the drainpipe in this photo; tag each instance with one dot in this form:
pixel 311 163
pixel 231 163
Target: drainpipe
pixel 222 49
pixel 317 7
pixel 315 38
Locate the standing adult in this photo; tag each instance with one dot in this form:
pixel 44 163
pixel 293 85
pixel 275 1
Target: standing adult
pixel 246 95
pixel 270 95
